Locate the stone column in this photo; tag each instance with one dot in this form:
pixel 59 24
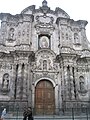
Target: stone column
pixel 66 82
pixel 25 79
pixel 30 86
pixel 76 104
pixel 76 82
pixel 19 82
pixel 64 92
pixel 13 92
pixel 72 83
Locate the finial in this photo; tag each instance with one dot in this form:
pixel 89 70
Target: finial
pixel 44 3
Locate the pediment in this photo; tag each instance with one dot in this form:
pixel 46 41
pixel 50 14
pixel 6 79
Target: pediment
pixel 61 13
pixel 28 10
pixel 45 9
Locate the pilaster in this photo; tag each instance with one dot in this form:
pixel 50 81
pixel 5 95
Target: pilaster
pixel 72 83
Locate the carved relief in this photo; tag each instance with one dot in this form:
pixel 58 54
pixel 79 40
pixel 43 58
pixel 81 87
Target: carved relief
pixel 45 61
pixel 39 67
pixel 6 66
pixel 45 74
pixel 44 7
pixel 44 42
pixel 12 20
pixel 62 35
pixel 44 64
pixel 44 24
pixel 66 36
pixel 50 65
pixel 44 19
pixel 23 32
pixel 76 30
pixel 28 32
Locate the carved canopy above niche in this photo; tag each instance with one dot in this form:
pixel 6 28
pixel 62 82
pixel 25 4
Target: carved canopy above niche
pixel 44 24
pixel 43 19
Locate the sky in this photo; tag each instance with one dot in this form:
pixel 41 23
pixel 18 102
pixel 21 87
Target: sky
pixel 76 9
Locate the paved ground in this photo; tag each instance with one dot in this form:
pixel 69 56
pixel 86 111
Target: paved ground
pixel 53 117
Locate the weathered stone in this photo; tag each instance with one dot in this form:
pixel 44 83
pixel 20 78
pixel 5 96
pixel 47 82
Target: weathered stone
pixel 44 45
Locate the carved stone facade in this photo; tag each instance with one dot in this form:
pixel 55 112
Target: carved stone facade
pixel 41 45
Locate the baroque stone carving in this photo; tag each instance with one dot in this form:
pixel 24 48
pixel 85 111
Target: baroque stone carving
pixel 44 19
pixel 44 7
pixel 66 36
pixel 40 44
pixel 44 64
pixel 76 38
pixel 82 87
pixel 44 42
pixel 44 24
pixel 45 61
pixel 11 35
pixel 5 83
pixel 6 66
pixel 62 35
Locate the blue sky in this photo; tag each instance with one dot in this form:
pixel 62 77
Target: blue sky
pixel 77 9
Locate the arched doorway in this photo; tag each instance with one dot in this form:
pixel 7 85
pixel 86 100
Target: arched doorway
pixel 44 98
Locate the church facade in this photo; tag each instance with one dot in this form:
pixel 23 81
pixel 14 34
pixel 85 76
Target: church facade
pixel 44 59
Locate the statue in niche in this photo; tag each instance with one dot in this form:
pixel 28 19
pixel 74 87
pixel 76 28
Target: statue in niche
pixel 11 34
pixel 82 84
pixel 5 81
pixel 76 38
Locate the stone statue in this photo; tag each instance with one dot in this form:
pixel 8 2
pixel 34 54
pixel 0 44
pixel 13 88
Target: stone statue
pixel 82 84
pixel 76 38
pixel 11 34
pixel 5 82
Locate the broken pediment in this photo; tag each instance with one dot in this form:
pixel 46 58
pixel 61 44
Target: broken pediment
pixel 45 9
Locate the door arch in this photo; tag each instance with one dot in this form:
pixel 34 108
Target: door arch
pixel 44 98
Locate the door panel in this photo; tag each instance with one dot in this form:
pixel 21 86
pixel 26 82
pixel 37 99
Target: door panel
pixel 44 98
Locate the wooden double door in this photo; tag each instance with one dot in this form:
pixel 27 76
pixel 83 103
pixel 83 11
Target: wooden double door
pixel 44 98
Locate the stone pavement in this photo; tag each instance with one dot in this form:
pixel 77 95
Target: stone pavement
pixel 53 117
